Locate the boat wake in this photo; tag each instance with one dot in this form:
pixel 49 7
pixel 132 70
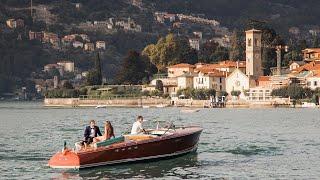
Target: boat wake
pixel 248 150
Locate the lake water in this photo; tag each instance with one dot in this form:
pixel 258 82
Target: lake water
pixel 235 143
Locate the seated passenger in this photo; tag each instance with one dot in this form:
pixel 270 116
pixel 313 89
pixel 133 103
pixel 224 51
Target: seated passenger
pixel 91 132
pixel 108 133
pixel 137 126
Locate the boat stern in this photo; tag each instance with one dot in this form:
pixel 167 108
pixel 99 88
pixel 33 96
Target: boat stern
pixel 66 159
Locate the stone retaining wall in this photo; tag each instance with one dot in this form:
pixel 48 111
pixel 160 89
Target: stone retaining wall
pixel 75 102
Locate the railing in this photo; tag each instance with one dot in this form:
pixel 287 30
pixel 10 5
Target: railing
pixel 110 97
pixel 160 76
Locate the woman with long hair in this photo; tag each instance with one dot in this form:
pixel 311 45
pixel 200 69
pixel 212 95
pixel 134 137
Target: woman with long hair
pixel 108 133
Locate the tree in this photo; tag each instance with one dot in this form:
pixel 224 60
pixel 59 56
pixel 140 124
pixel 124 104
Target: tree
pixel 315 42
pixel 67 85
pixel 294 91
pixel 220 54
pixel 237 47
pixel 134 69
pixel 170 50
pixel 95 75
pixel 93 78
pixel 207 50
pixel 235 93
pixel 97 65
pixel 159 85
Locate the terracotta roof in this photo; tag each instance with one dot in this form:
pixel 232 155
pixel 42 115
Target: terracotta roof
pixel 309 50
pixel 182 65
pixel 230 63
pixel 222 64
pixel 315 65
pixel 264 78
pixel 217 74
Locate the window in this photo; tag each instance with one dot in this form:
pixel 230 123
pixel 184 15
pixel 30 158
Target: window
pixel 315 83
pixel 255 41
pixel 249 42
pixel 220 87
pixel 308 83
pixel 220 80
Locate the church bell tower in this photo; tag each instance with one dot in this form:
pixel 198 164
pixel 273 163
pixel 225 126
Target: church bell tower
pixel 253 53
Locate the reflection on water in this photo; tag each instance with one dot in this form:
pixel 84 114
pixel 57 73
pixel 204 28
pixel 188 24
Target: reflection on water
pixel 177 167
pixel 235 143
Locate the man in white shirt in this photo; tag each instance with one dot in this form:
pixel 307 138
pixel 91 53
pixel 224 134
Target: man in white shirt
pixel 137 126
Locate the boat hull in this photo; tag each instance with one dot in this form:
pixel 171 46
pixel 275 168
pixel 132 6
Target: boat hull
pixel 181 142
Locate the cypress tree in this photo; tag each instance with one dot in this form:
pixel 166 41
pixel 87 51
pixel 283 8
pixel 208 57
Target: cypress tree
pixel 97 66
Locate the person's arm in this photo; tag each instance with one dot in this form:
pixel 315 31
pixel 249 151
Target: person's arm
pixel 141 129
pixel 86 133
pixel 98 131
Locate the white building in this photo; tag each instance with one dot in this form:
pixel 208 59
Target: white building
pixel 198 34
pixel 259 94
pixel 313 82
pixel 185 81
pixel 77 44
pixel 194 43
pixel 237 81
pixel 101 45
pixel 89 47
pixel 210 80
pixel 68 66
pixel 296 64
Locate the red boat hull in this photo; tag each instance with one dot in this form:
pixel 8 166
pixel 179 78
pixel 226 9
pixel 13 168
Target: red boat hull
pixel 179 142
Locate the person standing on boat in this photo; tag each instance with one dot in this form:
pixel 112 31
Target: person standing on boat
pixel 91 132
pixel 137 126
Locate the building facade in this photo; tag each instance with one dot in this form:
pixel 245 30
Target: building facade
pixel 253 53
pixel 68 66
pixel 180 69
pixel 237 81
pixel 101 45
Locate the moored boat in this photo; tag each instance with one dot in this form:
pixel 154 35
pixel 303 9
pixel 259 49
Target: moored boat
pixel 100 106
pixel 189 110
pixel 157 143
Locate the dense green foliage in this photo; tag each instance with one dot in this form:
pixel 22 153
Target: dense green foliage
pixel 18 58
pixel 237 49
pixel 281 14
pixel 235 93
pixel 170 50
pixel 211 52
pixel 200 94
pixel 159 85
pixel 135 69
pixel 293 91
pixel 62 93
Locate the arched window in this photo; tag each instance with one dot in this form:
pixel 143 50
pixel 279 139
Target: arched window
pixel 249 42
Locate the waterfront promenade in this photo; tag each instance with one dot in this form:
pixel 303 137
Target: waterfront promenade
pixel 156 102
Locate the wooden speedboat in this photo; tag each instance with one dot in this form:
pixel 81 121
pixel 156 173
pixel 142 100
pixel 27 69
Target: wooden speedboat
pixel 157 143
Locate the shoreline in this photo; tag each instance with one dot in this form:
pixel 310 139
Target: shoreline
pixel 154 103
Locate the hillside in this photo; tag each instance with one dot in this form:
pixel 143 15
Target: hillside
pixel 63 18
pixel 281 14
